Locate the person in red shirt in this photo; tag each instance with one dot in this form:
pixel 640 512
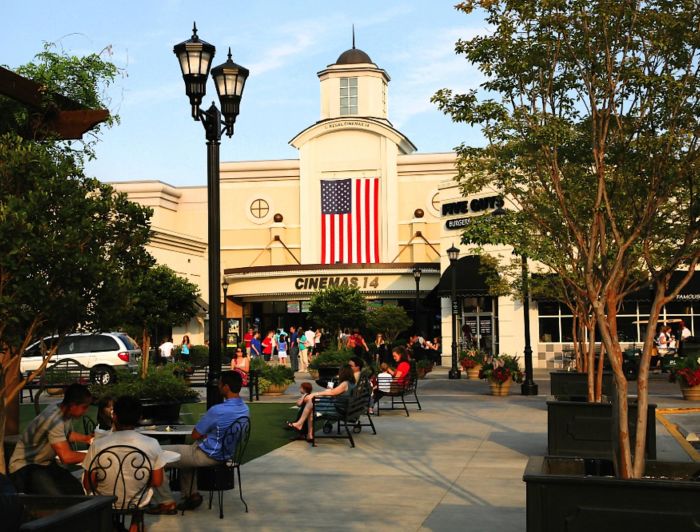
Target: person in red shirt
pixel 247 337
pixel 400 374
pixel 267 346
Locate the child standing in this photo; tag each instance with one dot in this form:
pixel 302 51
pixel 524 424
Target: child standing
pixel 282 349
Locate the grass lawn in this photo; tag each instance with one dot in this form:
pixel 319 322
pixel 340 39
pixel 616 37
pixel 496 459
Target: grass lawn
pixel 267 424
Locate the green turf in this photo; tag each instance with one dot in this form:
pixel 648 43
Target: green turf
pixel 267 424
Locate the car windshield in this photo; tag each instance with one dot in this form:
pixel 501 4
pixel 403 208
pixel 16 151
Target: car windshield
pixel 129 342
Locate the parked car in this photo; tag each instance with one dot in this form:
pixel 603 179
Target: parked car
pixel 101 352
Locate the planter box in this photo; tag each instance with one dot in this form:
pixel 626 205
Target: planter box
pixel 573 386
pixel 586 429
pixel 160 413
pixel 326 374
pixel 67 513
pixel 564 494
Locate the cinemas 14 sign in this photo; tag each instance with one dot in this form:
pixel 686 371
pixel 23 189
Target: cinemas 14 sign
pixel 326 281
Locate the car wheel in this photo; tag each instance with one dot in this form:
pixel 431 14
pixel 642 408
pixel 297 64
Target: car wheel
pixel 102 375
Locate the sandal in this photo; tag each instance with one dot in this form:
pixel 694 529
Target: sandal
pixel 169 508
pixel 292 427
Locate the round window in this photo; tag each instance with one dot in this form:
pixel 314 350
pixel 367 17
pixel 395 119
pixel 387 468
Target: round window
pixel 259 208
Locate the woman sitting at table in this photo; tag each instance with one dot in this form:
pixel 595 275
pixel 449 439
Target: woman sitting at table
pixel 240 363
pixel 346 383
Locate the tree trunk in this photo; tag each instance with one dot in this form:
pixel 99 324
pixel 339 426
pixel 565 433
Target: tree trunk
pixel 590 356
pixel 599 375
pixel 145 348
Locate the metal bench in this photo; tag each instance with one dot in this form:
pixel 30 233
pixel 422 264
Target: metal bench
pixel 59 375
pixel 400 392
pixel 345 413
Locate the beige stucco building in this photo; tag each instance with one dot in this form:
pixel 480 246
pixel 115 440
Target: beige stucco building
pixel 360 206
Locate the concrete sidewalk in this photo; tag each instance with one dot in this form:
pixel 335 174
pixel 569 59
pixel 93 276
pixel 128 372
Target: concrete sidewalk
pixel 455 465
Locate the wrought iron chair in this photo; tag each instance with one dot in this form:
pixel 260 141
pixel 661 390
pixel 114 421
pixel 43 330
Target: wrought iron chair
pixel 124 472
pixel 222 476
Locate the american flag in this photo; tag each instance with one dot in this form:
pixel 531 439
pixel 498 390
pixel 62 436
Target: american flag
pixel 350 220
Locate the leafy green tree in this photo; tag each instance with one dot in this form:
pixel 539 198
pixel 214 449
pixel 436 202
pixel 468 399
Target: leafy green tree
pixel 72 246
pixel 590 111
pixel 161 297
pixel 337 307
pixel 390 320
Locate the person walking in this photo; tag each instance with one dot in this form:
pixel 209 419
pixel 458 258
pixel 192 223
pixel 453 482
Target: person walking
pixel 294 348
pixel 303 354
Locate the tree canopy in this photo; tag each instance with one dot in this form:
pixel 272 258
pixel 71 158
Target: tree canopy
pixel 390 320
pixel 337 307
pixel 590 112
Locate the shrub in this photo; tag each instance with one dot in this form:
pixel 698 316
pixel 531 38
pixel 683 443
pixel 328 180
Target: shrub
pixel 160 384
pixel 500 368
pixel 331 358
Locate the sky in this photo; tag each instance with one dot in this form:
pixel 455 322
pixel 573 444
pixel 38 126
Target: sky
pixel 284 44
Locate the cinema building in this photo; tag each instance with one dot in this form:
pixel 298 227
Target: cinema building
pixel 359 207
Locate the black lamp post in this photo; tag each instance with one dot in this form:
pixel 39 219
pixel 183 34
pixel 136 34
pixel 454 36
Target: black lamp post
pixel 528 387
pixel 416 275
pixel 224 287
pixel 453 254
pixel 195 58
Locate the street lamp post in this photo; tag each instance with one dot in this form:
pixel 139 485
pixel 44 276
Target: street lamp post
pixel 528 387
pixel 224 334
pixel 416 275
pixel 453 254
pixel 195 58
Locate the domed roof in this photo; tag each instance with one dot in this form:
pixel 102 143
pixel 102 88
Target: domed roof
pixel 353 56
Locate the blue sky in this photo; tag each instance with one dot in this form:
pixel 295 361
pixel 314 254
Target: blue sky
pixel 283 43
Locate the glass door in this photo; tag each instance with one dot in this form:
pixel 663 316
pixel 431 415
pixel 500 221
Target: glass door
pixel 480 324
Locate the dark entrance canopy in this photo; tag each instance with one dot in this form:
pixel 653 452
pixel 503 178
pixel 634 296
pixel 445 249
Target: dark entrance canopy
pixel 64 118
pixel 690 292
pixel 471 279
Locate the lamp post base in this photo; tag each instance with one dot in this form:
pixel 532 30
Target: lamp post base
pixel 454 374
pixel 528 388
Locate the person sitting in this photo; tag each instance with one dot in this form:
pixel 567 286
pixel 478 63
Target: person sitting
pixel 356 364
pixel 241 364
pixel 126 415
pixel 346 383
pixel 33 466
pixel 399 375
pixel 305 388
pixel 384 378
pixel 105 420
pixel 206 451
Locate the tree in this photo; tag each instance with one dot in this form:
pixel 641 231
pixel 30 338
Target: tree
pixel 72 247
pixel 337 307
pixel 590 112
pixel 390 320
pixel 161 298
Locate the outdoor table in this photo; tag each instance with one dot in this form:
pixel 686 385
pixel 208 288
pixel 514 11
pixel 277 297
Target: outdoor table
pixel 175 433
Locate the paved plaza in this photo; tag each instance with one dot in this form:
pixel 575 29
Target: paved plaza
pixel 455 465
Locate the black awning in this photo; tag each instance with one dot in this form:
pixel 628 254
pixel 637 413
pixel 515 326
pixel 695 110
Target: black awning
pixel 690 292
pixel 471 279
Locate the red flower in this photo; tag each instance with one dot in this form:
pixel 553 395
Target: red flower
pixel 501 375
pixel 691 377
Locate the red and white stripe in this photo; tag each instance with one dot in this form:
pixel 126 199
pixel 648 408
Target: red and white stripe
pixel 353 237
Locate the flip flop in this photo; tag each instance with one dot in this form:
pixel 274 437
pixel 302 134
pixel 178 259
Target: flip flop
pixel 291 426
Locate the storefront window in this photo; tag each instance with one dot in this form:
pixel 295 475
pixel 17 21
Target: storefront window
pixel 549 329
pixel 567 329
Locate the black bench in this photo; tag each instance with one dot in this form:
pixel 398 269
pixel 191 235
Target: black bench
pixel 58 375
pixel 198 379
pixel 400 393
pixel 344 412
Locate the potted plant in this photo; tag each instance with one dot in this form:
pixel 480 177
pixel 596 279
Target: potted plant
pixel 326 365
pixel 423 367
pixel 686 372
pixel 274 380
pixel 472 361
pixel 501 371
pixel 161 391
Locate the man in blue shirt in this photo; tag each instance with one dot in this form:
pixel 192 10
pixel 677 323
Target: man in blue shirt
pixel 206 450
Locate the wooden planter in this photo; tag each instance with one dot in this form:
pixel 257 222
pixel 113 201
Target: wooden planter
pixel 570 494
pixel 500 389
pixel 582 429
pixel 690 393
pixel 573 386
pixel 276 389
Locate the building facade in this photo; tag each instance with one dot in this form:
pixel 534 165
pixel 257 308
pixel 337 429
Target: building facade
pixel 359 207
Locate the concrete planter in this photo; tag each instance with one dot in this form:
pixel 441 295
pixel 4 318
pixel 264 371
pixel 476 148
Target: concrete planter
pixel 573 386
pixel 576 428
pixel 570 494
pixel 690 393
pixel 500 389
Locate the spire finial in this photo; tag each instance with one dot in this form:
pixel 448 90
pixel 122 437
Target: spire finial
pixel 229 53
pixel 194 30
pixel 353 36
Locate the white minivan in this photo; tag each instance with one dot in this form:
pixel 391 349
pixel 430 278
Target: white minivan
pixel 101 352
